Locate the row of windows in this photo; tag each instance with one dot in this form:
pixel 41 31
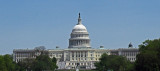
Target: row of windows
pixel 56 55
pixel 18 60
pixel 131 59
pixel 83 55
pixel 84 35
pixel 24 55
pixel 79 54
pixel 81 59
pixel 79 63
pixel 79 42
pixel 98 55
pixel 89 52
pixel 130 54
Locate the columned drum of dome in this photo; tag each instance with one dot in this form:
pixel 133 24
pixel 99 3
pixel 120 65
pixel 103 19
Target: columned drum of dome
pixel 79 37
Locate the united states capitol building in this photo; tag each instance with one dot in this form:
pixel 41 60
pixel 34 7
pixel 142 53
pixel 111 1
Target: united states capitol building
pixel 79 52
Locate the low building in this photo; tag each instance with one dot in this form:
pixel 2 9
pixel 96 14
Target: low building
pixel 130 52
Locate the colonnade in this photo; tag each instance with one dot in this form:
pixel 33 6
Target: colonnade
pixel 79 42
pixel 78 55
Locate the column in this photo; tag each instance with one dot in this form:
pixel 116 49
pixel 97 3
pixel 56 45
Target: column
pixel 74 55
pixel 80 55
pixel 70 54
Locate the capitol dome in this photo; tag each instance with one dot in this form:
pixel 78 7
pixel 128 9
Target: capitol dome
pixel 79 36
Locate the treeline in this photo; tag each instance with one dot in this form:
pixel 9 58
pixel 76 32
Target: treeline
pixel 41 63
pixel 149 57
pixel 147 60
pixel 7 64
pixel 113 63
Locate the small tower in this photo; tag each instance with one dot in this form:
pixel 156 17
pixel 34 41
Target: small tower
pixel 130 45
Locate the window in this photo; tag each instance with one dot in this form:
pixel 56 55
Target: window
pixel 91 55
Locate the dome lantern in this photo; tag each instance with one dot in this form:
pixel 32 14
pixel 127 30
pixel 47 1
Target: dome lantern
pixel 79 20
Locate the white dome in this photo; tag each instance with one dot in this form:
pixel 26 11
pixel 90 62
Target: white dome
pixel 79 37
pixel 79 27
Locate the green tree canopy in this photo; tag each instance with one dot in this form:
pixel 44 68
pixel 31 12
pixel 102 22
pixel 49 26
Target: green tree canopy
pixel 43 62
pixel 2 64
pixel 54 60
pixel 26 64
pixel 7 64
pixel 114 63
pixel 149 57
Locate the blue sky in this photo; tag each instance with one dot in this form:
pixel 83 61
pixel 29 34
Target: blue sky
pixel 111 23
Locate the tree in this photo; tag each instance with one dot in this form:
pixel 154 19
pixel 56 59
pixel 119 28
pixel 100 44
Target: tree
pixel 40 63
pixel 43 62
pixel 148 59
pixel 41 49
pixel 54 60
pixel 7 64
pixel 26 64
pixel 113 62
pixel 2 64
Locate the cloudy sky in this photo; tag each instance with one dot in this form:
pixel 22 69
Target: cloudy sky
pixel 111 23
